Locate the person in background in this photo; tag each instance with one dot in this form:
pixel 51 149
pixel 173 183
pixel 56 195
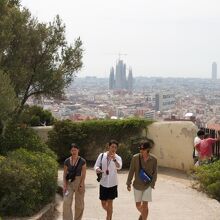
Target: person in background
pixel 197 140
pixel 74 182
pixel 205 150
pixel 110 163
pixel 142 190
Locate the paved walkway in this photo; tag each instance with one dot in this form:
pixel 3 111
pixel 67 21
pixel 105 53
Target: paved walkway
pixel 173 199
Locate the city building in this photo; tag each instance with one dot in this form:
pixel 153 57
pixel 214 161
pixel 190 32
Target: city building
pixel 164 101
pixel 214 70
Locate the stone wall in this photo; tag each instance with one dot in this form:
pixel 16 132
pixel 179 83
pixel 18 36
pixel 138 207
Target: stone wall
pixel 173 143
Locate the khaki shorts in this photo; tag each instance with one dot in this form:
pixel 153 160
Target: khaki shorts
pixel 145 196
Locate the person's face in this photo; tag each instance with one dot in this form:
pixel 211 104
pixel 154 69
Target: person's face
pixel 113 148
pixel 74 151
pixel 144 152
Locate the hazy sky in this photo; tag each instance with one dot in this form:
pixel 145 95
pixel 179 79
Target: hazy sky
pixel 177 38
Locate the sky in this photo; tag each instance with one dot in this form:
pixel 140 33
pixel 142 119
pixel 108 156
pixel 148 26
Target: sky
pixel 159 38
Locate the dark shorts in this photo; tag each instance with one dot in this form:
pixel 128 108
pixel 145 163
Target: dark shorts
pixel 108 193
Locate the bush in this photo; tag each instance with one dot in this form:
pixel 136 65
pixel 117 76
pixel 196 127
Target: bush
pixel 208 177
pixel 16 137
pixel 125 154
pixel 36 116
pixel 90 135
pixel 28 182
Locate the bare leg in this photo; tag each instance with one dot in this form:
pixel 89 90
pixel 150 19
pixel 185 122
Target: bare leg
pixel 104 204
pixel 109 209
pixel 139 206
pixel 144 213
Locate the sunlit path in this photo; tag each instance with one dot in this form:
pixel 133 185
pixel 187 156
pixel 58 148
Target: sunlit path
pixel 173 199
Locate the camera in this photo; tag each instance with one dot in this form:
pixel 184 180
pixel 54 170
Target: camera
pixel 99 177
pixel 70 176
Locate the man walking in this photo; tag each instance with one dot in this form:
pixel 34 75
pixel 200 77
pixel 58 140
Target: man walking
pixel 143 165
pixel 107 164
pixel 197 140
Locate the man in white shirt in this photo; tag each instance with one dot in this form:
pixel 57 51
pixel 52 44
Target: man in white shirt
pixel 197 140
pixel 107 164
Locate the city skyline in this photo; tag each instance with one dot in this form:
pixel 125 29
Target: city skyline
pixel 161 38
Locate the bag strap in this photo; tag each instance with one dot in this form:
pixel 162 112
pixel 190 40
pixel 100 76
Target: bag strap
pixel 100 165
pixel 76 166
pixel 140 161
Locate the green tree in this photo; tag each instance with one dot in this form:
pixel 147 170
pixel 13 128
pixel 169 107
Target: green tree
pixel 35 55
pixel 8 100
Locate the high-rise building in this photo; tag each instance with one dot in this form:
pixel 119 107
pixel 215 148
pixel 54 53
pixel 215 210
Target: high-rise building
pixel 118 78
pixel 112 79
pixel 130 80
pixel 214 70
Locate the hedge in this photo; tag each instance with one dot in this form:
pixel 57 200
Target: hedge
pixel 208 177
pixel 90 135
pixel 28 182
pixel 16 137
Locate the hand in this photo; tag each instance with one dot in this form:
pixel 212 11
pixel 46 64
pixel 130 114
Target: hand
pixel 81 187
pixel 64 189
pixel 98 170
pixel 129 188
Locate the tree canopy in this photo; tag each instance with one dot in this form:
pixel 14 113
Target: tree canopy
pixel 36 55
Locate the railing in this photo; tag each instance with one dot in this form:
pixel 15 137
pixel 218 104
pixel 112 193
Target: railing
pixel 216 146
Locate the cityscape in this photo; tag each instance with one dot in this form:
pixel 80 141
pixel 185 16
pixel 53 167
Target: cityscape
pixel 123 95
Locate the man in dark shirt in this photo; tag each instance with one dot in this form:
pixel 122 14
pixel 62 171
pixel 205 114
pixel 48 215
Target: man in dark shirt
pixel 142 190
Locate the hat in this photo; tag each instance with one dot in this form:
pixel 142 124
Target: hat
pixel 145 145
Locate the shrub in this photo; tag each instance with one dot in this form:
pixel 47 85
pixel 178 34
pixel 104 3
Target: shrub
pixel 28 182
pixel 208 177
pixel 36 116
pixel 16 137
pixel 90 135
pixel 125 154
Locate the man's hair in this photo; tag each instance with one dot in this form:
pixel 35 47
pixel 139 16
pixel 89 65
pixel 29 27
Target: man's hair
pixel 113 142
pixel 200 133
pixel 146 145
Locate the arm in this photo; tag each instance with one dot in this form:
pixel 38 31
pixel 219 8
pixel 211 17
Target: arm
pixel 97 164
pixel 64 178
pixel 130 174
pixel 118 162
pixel 83 176
pixel 154 175
pixel 197 146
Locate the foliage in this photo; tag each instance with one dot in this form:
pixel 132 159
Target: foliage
pixel 16 137
pixel 36 116
pixel 8 99
pixel 208 177
pixel 28 182
pixel 90 135
pixel 36 55
pixel 125 154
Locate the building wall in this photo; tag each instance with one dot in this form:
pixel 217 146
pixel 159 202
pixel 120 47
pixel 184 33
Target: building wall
pixel 173 143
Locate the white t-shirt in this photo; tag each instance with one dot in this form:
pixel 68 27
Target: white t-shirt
pixel 111 179
pixel 197 140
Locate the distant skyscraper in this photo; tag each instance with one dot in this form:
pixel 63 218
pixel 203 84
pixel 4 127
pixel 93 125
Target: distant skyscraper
pixel 130 80
pixel 112 79
pixel 214 70
pixel 118 78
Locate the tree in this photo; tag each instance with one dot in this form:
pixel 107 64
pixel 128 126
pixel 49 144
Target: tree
pixel 36 55
pixel 8 100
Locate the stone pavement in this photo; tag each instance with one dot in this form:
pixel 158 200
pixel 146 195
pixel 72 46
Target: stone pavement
pixel 173 199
